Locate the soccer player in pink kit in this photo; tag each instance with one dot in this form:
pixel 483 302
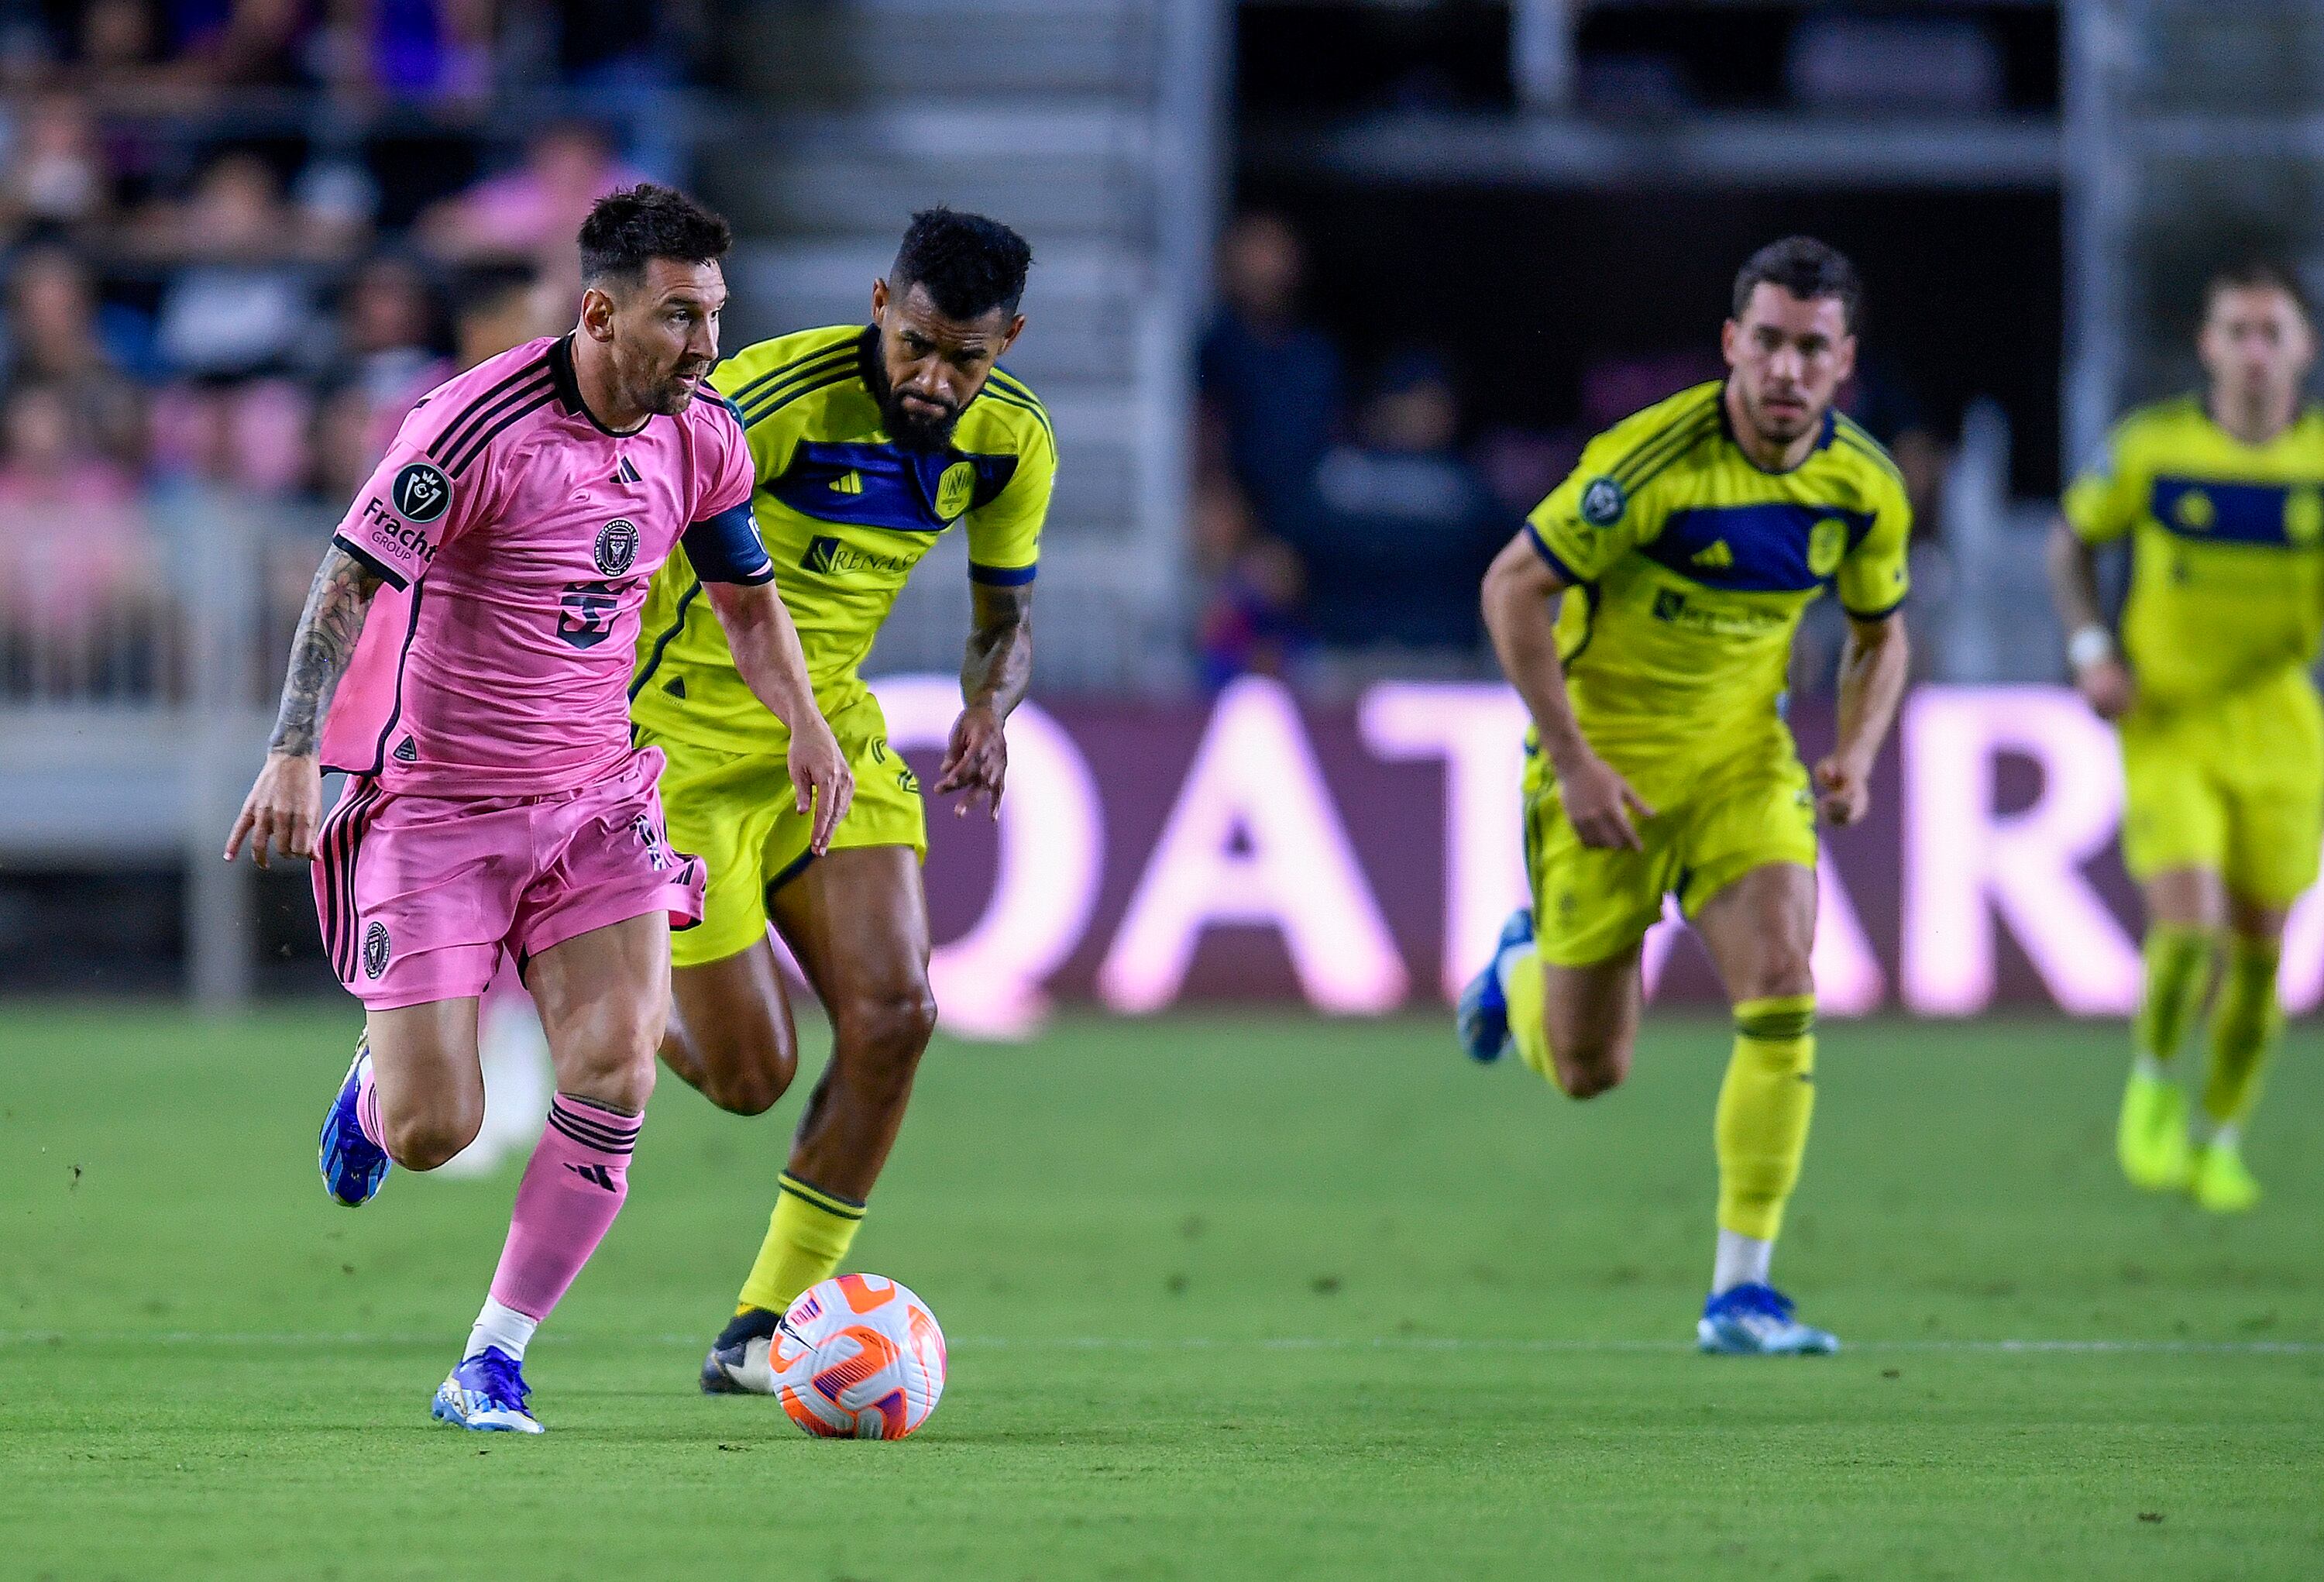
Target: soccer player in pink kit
pixel 481 602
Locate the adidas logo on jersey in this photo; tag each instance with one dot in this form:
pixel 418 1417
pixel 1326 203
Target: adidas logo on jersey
pixel 1716 558
pixel 849 482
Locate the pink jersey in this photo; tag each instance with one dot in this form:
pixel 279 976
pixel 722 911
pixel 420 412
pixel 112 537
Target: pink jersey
pixel 516 536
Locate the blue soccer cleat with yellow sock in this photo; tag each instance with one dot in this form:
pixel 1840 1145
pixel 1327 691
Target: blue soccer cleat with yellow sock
pixel 1755 1320
pixel 1482 1017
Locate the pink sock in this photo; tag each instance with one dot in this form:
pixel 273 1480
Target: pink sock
pixel 572 1189
pixel 367 1106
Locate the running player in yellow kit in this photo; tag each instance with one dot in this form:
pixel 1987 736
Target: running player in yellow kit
pixel 2221 496
pixel 868 441
pixel 1646 615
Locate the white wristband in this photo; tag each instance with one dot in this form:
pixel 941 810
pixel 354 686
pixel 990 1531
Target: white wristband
pixel 2088 646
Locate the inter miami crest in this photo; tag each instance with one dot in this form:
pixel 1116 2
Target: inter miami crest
pixel 421 491
pixel 375 948
pixel 617 546
pixel 1603 502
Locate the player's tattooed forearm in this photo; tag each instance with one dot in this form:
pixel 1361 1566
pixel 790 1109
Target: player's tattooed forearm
pixel 328 628
pixel 998 666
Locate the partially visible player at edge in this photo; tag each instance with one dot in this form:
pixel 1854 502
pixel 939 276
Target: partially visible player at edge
pixel 868 441
pixel 481 602
pixel 2221 496
pixel 1646 614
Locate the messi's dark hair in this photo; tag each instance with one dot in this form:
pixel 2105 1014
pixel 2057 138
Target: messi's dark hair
pixel 967 263
pixel 628 229
pixel 1807 269
pixel 2260 274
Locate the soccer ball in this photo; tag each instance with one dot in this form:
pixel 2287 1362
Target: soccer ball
pixel 858 1357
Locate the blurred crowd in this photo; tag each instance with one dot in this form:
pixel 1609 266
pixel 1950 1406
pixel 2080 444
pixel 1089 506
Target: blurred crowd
pixel 1345 514
pixel 240 238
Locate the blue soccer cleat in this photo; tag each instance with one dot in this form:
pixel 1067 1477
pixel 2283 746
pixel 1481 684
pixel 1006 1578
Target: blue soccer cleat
pixel 1482 1019
pixel 353 1165
pixel 1755 1320
pixel 486 1392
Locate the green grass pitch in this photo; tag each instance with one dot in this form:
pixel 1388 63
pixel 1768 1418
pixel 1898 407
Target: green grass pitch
pixel 1264 1297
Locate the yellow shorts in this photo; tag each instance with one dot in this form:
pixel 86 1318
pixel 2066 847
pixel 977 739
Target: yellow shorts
pixel 2234 786
pixel 738 812
pixel 1592 904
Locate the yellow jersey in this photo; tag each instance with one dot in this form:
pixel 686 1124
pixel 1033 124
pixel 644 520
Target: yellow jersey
pixel 1691 568
pixel 846 513
pixel 2227 548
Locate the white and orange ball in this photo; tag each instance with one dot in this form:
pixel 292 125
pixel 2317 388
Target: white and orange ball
pixel 858 1357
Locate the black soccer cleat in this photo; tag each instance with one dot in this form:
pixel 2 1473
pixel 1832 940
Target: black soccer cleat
pixel 724 1370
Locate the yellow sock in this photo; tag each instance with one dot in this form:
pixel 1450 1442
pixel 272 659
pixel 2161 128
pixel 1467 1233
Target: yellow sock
pixel 1521 982
pixel 2178 970
pixel 2245 1023
pixel 1762 1127
pixel 807 1237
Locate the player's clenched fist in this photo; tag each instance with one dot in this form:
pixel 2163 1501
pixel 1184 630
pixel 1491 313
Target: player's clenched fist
pixel 976 760
pixel 1843 790
pixel 1599 803
pixel 820 773
pixel 2106 686
pixel 281 811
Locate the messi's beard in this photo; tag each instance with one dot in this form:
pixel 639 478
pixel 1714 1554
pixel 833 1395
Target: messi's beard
pixel 906 427
pixel 671 394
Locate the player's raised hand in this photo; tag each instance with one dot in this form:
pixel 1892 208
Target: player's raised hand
pixel 976 760
pixel 820 775
pixel 1843 790
pixel 282 809
pixel 2106 686
pixel 1600 803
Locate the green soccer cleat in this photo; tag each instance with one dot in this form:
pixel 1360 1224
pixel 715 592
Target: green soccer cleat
pixel 2151 1139
pixel 2220 1181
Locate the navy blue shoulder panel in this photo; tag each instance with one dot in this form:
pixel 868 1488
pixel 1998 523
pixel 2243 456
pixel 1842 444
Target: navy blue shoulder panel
pixel 863 484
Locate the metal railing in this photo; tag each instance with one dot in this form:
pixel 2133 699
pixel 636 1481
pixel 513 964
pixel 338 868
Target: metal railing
pixel 135 697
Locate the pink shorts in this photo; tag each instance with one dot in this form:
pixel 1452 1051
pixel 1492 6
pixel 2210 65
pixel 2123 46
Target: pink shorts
pixel 418 896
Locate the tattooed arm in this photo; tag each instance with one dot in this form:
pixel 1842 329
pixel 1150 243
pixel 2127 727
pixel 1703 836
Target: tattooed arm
pixel 993 679
pixel 286 804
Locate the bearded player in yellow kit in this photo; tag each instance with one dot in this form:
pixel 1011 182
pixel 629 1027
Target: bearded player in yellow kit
pixel 1646 615
pixel 2221 496
pixel 869 442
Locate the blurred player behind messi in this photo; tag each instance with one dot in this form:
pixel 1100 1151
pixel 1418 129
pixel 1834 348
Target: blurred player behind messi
pixel 1646 615
pixel 869 442
pixel 2221 496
